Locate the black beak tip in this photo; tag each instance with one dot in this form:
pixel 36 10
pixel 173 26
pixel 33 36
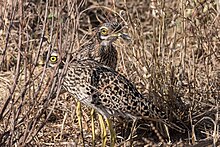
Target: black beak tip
pixel 125 36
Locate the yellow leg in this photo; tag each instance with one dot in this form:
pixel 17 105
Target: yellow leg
pixel 93 128
pixel 79 116
pixel 112 132
pixel 103 130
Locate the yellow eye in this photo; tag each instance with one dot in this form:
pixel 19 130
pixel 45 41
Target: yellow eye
pixel 104 31
pixel 53 58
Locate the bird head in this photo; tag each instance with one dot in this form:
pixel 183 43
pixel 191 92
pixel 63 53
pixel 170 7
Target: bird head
pixel 109 32
pixel 54 59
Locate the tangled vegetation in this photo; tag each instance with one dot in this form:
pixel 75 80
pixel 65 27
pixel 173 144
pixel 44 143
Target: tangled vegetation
pixel 173 58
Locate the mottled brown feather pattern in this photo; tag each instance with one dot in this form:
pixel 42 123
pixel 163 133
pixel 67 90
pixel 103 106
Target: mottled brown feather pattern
pixel 101 87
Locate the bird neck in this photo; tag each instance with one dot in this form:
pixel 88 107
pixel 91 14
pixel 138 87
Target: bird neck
pixel 108 56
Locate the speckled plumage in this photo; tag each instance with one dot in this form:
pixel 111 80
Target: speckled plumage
pixel 99 86
pixel 107 91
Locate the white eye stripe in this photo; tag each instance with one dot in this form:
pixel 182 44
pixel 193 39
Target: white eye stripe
pixel 53 57
pixel 104 37
pixel 103 27
pixel 54 54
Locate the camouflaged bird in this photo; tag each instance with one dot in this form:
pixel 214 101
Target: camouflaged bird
pixel 105 90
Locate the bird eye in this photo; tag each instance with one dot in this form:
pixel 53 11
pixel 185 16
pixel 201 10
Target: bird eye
pixel 104 31
pixel 53 58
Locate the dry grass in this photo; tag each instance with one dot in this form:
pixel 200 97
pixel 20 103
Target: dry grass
pixel 173 58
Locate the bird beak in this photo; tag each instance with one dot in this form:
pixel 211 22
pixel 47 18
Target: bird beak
pixel 122 35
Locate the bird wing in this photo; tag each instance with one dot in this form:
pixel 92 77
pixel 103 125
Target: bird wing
pixel 118 94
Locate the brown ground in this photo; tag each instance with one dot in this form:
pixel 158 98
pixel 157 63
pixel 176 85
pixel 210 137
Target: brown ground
pixel 173 58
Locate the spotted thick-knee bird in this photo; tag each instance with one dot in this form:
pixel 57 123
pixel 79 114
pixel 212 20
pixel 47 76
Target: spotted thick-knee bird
pixel 106 90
